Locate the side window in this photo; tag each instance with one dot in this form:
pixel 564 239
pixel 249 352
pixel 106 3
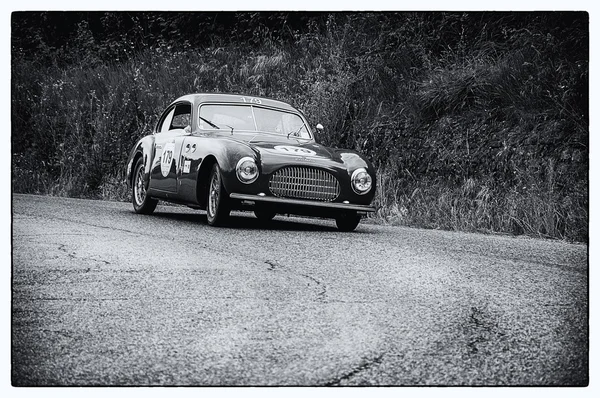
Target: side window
pixel 182 117
pixel 166 122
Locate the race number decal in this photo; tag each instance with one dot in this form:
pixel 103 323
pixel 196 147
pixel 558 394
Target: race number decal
pixel 252 100
pixel 294 150
pixel 167 159
pixel 186 166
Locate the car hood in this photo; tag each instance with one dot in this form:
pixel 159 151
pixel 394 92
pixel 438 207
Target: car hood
pixel 275 151
pixel 292 148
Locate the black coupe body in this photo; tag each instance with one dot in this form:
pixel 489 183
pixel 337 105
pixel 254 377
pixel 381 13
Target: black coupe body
pixel 223 152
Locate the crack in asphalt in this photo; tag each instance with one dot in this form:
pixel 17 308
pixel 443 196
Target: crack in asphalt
pixel 111 228
pixel 274 265
pixel 62 248
pixel 361 367
pixel 480 329
pixel 145 233
pixel 137 233
pixel 527 261
pixel 321 295
pixel 144 299
pixel 49 234
pixel 63 333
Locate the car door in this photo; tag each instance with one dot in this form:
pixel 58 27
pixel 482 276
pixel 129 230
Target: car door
pixel 172 129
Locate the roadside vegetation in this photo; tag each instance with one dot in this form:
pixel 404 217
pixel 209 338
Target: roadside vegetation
pixel 475 121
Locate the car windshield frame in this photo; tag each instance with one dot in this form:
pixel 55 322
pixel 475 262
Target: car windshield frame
pixel 256 125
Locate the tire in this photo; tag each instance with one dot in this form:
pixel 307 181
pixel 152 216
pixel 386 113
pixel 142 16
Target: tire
pixel 347 222
pixel 217 206
pixel 263 214
pixel 142 203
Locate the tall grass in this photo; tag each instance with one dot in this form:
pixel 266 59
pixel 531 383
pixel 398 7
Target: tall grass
pixel 476 205
pixel 478 137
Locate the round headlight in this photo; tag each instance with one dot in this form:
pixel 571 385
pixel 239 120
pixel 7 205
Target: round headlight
pixel 246 170
pixel 361 181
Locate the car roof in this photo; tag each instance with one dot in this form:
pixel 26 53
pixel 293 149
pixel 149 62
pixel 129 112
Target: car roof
pixel 199 98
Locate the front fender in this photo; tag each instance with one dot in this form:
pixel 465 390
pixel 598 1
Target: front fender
pixel 228 153
pixel 211 149
pixel 352 161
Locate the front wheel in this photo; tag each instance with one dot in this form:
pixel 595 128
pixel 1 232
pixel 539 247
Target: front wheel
pixel 142 203
pixel 347 222
pixel 217 209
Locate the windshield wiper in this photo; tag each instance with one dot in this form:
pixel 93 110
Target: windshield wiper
pixel 295 133
pixel 210 123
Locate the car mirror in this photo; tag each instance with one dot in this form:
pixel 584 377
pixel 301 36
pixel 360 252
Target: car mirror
pixel 318 131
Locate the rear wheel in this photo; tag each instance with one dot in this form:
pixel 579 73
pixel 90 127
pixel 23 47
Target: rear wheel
pixel 217 206
pixel 347 222
pixel 142 203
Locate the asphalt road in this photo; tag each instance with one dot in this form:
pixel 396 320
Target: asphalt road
pixel 103 296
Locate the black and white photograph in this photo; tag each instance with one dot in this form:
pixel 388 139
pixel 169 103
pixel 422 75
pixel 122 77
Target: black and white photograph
pixel 299 198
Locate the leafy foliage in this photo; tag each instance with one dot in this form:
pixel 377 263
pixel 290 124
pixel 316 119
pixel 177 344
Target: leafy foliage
pixel 475 121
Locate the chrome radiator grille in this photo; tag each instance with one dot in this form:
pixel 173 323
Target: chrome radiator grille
pixel 304 183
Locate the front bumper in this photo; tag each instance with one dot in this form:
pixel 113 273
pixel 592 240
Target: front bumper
pixel 303 203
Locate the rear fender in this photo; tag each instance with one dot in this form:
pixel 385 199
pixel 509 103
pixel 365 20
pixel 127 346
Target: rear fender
pixel 143 150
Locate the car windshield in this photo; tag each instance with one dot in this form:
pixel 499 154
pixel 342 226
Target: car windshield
pixel 252 118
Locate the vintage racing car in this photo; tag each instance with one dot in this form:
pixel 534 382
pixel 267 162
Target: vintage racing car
pixel 223 152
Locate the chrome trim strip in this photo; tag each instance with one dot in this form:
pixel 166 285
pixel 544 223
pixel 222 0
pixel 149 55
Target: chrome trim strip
pixel 298 202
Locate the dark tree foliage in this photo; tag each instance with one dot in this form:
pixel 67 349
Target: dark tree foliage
pixel 39 34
